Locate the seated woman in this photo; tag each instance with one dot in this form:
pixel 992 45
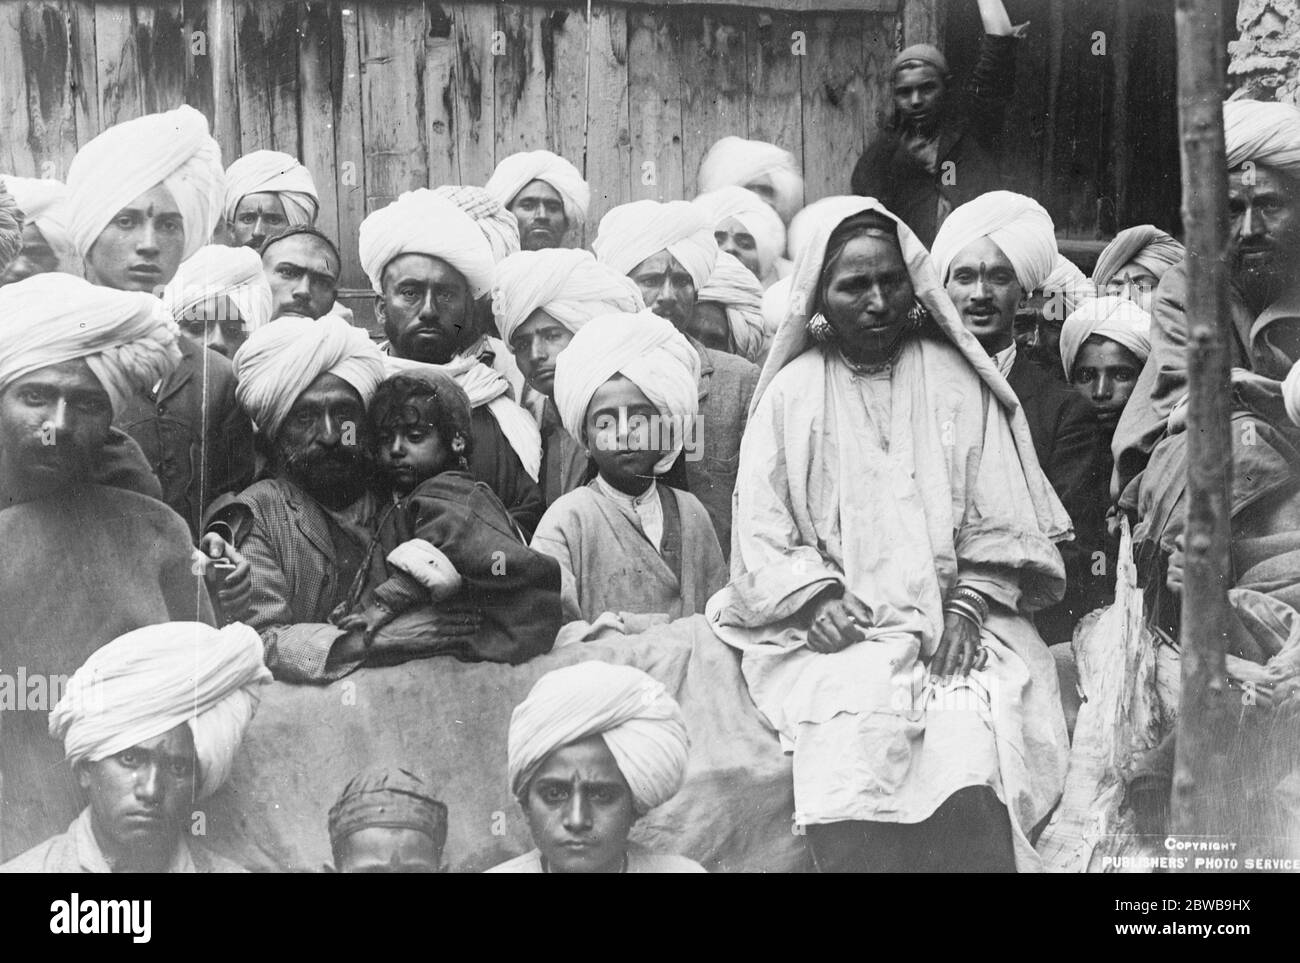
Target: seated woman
pixel 592 749
pixel 626 388
pixel 1104 344
pixel 448 537
pixel 892 535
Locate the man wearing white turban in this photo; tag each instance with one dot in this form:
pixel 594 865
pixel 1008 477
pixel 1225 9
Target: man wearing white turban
pixel 545 193
pixel 669 251
pixel 429 261
pixel 1263 335
pixel 265 192
pixel 88 556
pixel 625 387
pixel 1134 262
pixel 747 228
pixel 769 171
pixel 150 724
pixel 992 253
pixel 540 300
pixel 729 311
pixel 143 196
pixel 46 245
pixel 934 155
pixel 592 748
pixel 219 296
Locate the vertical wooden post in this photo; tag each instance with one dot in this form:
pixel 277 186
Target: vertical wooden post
pixel 923 22
pixel 1207 706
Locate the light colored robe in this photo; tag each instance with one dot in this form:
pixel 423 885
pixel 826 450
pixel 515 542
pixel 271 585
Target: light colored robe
pixel 609 565
pixel 894 485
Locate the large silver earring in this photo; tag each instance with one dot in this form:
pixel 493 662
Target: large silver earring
pixel 917 315
pixel 820 329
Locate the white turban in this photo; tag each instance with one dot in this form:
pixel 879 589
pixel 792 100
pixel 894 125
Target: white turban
pixel 734 286
pixel 173 149
pixel 1064 289
pixel 1147 245
pixel 829 210
pixel 632 233
pixel 1112 317
pixel 519 170
pixel 1291 393
pixel 1266 133
pixel 281 359
pixel 645 349
pixel 499 226
pixel 569 285
pixel 636 717
pixel 421 222
pixel 44 203
pixel 147 682
pixel 1018 225
pixel 755 216
pixel 776 305
pixel 734 160
pixel 271 172
pixel 220 271
pixel 126 337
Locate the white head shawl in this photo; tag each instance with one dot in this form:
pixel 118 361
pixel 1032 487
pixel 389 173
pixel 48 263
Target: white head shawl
pixel 633 713
pixel 1291 393
pixel 793 339
pixel 805 224
pixel 756 216
pixel 569 285
pixel 499 226
pixel 1266 133
pixel 280 360
pixel 220 271
pixel 173 149
pixel 519 170
pixel 645 349
pixel 1147 245
pixel 421 222
pixel 632 233
pixel 734 160
pixel 44 203
pixel 1064 289
pixel 147 682
pixel 734 286
pixel 126 337
pixel 273 172
pixel 1018 225
pixel 1112 317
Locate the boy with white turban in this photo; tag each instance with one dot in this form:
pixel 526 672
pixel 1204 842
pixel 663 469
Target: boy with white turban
pixel 545 193
pixel 86 558
pixel 592 748
pixel 625 388
pixel 747 228
pixel 669 251
pixel 767 170
pixel 265 192
pixel 220 296
pixel 428 262
pixel 991 254
pixel 46 245
pixel 540 300
pixel 150 725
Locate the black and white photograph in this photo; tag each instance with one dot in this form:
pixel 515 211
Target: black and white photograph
pixel 593 436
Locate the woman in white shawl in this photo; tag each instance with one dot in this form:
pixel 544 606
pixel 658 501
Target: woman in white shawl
pixel 894 530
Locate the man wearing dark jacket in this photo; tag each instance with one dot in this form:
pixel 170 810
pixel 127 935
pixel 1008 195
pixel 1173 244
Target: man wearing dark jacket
pixel 934 157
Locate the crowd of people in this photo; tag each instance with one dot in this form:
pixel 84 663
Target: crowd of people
pixel 826 430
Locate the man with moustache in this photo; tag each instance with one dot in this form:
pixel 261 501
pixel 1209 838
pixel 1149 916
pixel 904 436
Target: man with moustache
pixel 143 196
pixel 428 262
pixel 1263 334
pixel 545 192
pixel 669 251
pixel 302 267
pixel 991 253
pixel 265 192
pixel 309 530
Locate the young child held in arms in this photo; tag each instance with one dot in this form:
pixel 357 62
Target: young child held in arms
pixel 449 540
pixel 626 388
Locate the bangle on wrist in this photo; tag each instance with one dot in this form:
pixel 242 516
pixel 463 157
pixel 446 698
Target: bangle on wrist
pixel 973 598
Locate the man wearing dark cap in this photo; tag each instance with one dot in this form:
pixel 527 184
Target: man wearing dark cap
pixel 934 156
pixel 386 821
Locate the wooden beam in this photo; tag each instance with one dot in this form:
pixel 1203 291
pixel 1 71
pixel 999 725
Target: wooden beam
pixel 1207 708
